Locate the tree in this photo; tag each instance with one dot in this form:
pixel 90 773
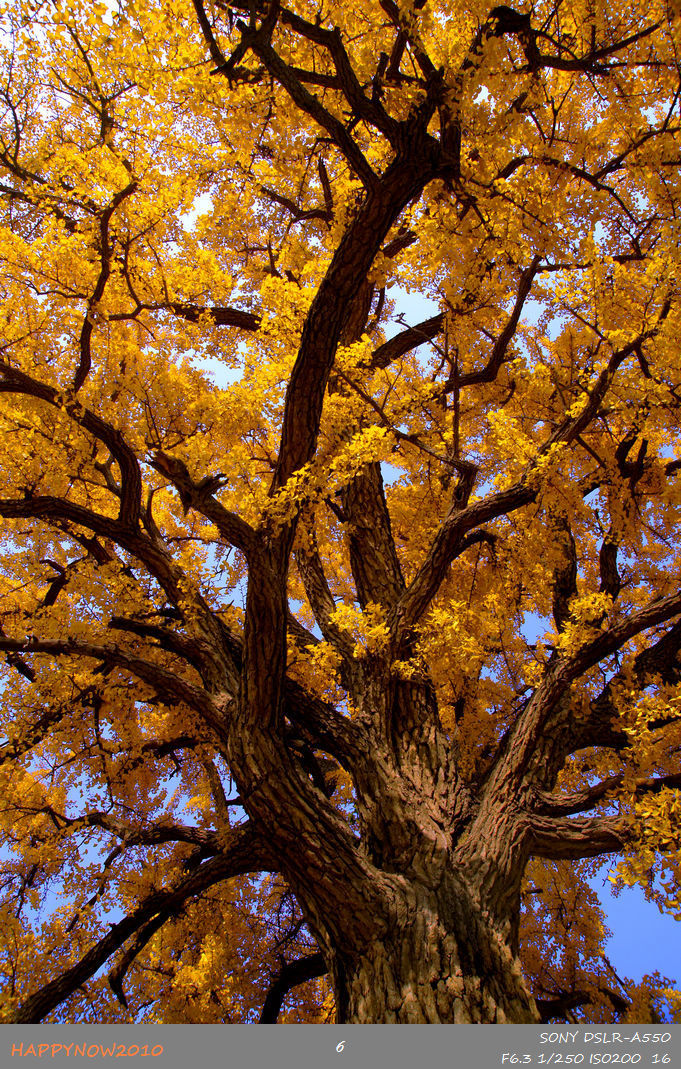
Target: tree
pixel 337 645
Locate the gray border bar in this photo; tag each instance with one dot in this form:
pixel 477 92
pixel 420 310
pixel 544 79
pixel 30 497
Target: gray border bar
pixel 332 1046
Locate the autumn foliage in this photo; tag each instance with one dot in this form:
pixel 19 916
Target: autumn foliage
pixel 340 632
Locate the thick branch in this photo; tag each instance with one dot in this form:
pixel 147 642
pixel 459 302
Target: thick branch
pixel 563 805
pixel 373 557
pixel 221 316
pixel 291 974
pixel 592 62
pixel 658 661
pixel 247 854
pixel 16 381
pixel 369 109
pixel 326 318
pixel 500 348
pixel 34 733
pixel 199 495
pixel 577 837
pixel 613 638
pixel 528 732
pixel 141 938
pixel 321 601
pixel 15 661
pixel 560 1005
pixel 172 641
pixel 299 633
pixel 258 42
pixel 155 835
pixel 170 687
pixel 150 551
pixel 324 728
pixel 216 53
pixel 407 340
pixel 449 541
pixel 564 574
pixel 319 723
pixel 105 250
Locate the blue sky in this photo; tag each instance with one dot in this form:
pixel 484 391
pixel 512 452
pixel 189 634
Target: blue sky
pixel 643 939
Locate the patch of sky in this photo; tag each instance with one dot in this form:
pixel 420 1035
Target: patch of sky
pixel 202 204
pixel 106 731
pixel 390 473
pixel 113 7
pixel 219 373
pixel 52 892
pixel 644 939
pixel 534 627
pixel 411 308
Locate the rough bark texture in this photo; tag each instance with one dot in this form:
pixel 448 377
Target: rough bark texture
pixel 442 965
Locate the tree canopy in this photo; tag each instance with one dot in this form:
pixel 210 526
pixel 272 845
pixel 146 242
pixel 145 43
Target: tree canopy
pixel 340 647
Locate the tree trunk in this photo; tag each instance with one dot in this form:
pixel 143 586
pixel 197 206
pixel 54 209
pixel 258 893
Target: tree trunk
pixel 439 962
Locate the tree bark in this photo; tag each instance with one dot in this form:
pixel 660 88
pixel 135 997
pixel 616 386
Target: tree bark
pixel 439 961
